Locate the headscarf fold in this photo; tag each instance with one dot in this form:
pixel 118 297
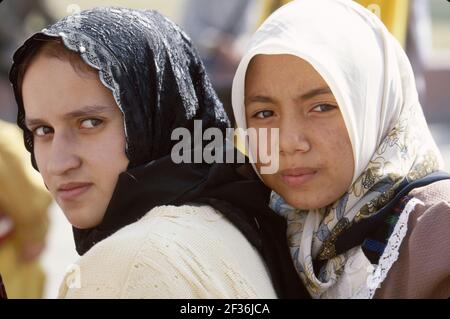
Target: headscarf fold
pixel 373 83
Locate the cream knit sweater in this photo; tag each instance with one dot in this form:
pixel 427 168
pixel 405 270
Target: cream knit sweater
pixel 172 252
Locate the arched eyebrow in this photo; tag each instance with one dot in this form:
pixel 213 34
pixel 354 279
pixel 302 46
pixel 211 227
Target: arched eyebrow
pixel 305 96
pixel 85 111
pixel 259 99
pixel 90 110
pixel 314 92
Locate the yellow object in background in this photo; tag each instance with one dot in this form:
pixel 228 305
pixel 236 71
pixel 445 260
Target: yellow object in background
pixel 22 280
pixel 269 6
pixel 24 199
pixel 393 13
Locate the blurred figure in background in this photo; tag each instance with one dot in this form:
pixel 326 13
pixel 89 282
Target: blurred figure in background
pixel 219 29
pixel 23 217
pixel 418 43
pixel 17 19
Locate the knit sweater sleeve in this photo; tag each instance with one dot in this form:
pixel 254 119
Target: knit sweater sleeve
pixel 172 252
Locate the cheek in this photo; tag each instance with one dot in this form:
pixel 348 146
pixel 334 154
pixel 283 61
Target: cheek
pixel 264 145
pixel 40 155
pixel 110 159
pixel 110 144
pixel 336 149
pixel 113 157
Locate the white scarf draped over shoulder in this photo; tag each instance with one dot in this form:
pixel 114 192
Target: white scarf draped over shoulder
pixel 373 83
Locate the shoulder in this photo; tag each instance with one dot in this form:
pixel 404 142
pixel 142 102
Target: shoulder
pixel 177 252
pixel 422 269
pixel 433 211
pixel 433 193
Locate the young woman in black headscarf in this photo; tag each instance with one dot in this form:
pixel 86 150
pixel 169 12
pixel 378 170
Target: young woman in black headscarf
pixel 99 94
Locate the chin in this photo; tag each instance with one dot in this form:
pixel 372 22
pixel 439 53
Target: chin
pixel 300 201
pixel 81 225
pixel 302 206
pixel 81 219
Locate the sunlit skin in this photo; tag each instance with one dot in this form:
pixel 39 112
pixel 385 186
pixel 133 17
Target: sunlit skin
pixel 315 153
pixel 79 141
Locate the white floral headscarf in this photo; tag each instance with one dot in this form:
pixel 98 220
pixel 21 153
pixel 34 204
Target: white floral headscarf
pixel 373 83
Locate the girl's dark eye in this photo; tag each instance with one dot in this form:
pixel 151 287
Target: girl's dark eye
pixel 90 123
pixel 42 130
pixel 324 108
pixel 263 114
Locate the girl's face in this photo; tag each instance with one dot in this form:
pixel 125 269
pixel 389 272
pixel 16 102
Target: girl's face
pixel 79 141
pixel 315 153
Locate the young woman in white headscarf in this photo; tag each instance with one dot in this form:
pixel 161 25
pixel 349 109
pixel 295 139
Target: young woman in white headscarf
pixel 360 181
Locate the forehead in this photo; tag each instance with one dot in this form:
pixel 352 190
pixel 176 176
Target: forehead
pixel 51 86
pixel 282 67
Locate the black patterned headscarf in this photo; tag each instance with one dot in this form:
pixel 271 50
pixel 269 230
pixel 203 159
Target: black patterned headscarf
pixel 159 83
pixel 149 64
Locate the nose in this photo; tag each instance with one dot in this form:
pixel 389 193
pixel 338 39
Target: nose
pixel 292 136
pixel 63 157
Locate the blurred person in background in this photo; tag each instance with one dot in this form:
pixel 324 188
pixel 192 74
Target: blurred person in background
pixel 418 43
pixel 17 19
pixel 23 217
pixel 220 30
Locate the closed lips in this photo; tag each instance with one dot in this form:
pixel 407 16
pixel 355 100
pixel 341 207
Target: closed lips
pixel 296 177
pixel 71 191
